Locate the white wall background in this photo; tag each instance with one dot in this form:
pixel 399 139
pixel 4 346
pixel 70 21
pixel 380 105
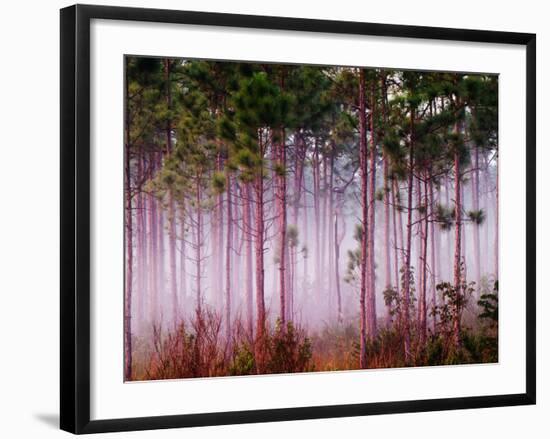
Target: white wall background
pixel 29 237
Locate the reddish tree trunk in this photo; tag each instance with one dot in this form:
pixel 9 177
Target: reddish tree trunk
pixel 219 287
pixel 434 257
pixel 387 251
pixel 495 256
pixel 198 262
pixel 423 314
pixel 228 247
pixel 259 255
pixel 331 235
pixel 247 221
pixel 398 246
pixel 364 219
pixel 338 238
pixel 171 207
pixel 153 253
pixel 371 305
pixel 458 249
pixel 475 202
pixel 316 207
pixel 129 252
pixel 407 282
pixel 161 249
pixel 281 197
pixel 183 256
pixel 140 235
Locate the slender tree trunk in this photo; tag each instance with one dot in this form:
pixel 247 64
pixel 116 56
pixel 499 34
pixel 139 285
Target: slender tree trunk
pixel 434 257
pixel 281 177
pixel 338 238
pixel 153 253
pixel 475 202
pixel 129 250
pixel 424 274
pixel 236 246
pixel 161 249
pixel 371 306
pixel 449 240
pixel 463 239
pixel 387 251
pixel 407 273
pixel 171 206
pixel 458 250
pixel 364 218
pixel 247 220
pixel 183 255
pixel 228 248
pixel 218 255
pixel 324 235
pixel 316 207
pixel 331 235
pixel 198 262
pixel 495 256
pixel 140 253
pixel 259 251
pixel 398 256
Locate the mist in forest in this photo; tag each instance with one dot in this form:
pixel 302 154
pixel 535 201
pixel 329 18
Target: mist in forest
pixel 301 218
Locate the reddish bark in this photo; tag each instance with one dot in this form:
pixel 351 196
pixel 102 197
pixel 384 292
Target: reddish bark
pixel 281 197
pixel 407 271
pixel 228 249
pixel 371 305
pixel 458 251
pixel 259 256
pixel 171 204
pixel 434 256
pixel 129 251
pixel 364 219
pixel 247 220
pixel 423 314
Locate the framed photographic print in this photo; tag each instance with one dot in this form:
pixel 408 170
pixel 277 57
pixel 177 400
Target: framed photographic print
pixel 267 218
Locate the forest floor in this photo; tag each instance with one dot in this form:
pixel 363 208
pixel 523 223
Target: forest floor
pixel 199 348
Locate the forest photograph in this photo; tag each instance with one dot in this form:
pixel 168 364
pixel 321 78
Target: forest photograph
pixel 285 218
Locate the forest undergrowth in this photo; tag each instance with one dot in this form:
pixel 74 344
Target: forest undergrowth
pixel 199 347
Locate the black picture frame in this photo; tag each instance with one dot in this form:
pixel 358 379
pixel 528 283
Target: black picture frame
pixel 75 217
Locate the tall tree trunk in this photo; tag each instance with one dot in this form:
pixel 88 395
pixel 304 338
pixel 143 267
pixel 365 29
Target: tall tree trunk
pixel 398 248
pixel 423 314
pixel 371 306
pixel 449 237
pixel 322 272
pixel 247 222
pixel 458 250
pixel 219 235
pixel 316 207
pixel 495 256
pixel 259 255
pixel 331 235
pixel 198 262
pixel 387 251
pixel 364 218
pixel 129 249
pixel 228 248
pixel 183 255
pixel 407 271
pixel 434 257
pixel 141 239
pixel 475 202
pixel 338 238
pixel 171 206
pixel 161 249
pixel 153 249
pixel 281 177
